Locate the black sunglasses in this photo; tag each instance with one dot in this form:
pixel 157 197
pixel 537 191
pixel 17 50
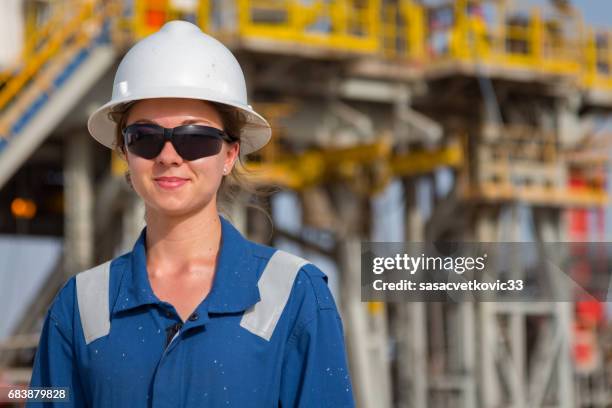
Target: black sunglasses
pixel 191 142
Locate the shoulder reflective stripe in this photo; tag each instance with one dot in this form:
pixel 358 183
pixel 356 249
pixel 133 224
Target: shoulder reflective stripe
pixel 92 297
pixel 274 286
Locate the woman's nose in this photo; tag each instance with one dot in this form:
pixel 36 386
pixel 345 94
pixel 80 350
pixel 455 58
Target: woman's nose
pixel 168 155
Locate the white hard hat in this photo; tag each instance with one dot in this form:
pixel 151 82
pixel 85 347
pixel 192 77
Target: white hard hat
pixel 180 61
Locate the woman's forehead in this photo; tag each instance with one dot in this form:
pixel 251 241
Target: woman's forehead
pixel 175 110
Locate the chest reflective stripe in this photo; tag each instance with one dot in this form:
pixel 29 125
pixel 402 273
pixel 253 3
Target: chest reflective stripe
pixel 92 297
pixel 275 283
pixel 274 286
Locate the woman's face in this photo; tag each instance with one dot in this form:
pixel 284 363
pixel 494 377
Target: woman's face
pixel 202 176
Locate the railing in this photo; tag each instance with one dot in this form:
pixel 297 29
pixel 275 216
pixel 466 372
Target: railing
pixel 51 62
pixel 36 34
pixel 344 24
pixel 71 27
pixel 456 31
pixel 453 31
pixel 403 31
pixel 511 40
pixel 598 60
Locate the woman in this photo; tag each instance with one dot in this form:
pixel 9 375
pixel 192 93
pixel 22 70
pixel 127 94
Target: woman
pixel 195 315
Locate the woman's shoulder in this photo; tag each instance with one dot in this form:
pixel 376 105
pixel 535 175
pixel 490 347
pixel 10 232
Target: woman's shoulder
pixel 308 283
pixel 106 273
pixel 271 257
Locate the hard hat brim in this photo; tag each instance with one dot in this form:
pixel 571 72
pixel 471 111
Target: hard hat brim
pixel 254 136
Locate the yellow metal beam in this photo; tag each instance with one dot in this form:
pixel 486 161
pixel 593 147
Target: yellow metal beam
pixel 539 195
pixel 316 167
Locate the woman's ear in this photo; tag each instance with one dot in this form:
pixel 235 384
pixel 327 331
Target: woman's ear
pixel 232 156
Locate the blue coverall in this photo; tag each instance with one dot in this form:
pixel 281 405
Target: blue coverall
pixel 151 358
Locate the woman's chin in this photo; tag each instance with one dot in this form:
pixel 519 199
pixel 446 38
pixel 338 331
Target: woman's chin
pixel 170 208
pixel 175 208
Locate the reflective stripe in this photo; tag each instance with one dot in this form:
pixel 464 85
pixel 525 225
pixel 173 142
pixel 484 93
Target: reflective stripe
pixel 92 297
pixel 274 286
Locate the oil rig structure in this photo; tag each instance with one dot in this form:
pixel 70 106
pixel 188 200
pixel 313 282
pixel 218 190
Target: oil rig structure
pixel 488 112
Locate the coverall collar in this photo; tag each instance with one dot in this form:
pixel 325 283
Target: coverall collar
pixel 234 286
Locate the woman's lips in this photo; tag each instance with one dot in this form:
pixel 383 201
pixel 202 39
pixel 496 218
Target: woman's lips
pixel 170 183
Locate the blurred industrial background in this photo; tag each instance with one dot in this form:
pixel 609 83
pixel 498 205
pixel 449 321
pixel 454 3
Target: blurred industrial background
pixel 393 120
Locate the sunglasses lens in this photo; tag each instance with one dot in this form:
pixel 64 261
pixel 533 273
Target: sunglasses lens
pixel 144 140
pixel 193 142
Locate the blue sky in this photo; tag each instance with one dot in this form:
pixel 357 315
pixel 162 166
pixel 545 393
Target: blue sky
pixel 595 12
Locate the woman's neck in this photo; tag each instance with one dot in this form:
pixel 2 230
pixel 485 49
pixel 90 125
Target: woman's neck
pixel 174 244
